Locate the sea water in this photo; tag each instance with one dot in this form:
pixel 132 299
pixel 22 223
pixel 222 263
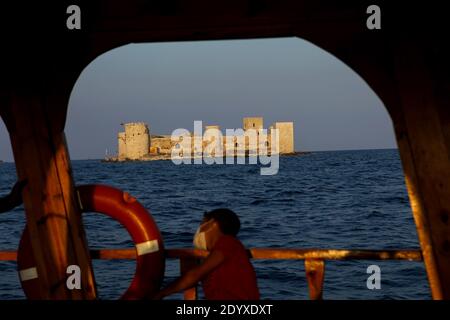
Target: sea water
pixel 342 200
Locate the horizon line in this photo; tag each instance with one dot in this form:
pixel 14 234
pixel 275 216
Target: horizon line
pixel 335 150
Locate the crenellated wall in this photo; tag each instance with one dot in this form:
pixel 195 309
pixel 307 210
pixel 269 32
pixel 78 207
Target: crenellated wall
pixel 136 143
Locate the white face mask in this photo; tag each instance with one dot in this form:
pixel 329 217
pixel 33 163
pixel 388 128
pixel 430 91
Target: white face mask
pixel 200 236
pixel 200 240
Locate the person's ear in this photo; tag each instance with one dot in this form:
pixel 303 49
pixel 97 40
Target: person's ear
pixel 217 227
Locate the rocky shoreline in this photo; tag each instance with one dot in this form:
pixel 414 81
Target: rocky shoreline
pixel 168 157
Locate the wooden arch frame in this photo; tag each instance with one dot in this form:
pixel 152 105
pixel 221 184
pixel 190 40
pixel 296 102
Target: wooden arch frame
pixel 405 64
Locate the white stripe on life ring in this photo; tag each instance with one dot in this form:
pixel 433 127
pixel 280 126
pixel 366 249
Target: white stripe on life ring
pixel 147 247
pixel 28 274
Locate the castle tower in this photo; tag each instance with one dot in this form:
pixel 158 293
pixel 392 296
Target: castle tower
pixel 212 127
pixel 122 149
pixel 286 136
pixel 253 123
pixel 137 140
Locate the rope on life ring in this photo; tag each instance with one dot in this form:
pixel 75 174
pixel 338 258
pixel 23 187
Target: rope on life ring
pixel 125 209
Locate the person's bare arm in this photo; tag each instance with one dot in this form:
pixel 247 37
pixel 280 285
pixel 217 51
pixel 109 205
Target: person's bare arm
pixel 193 276
pixel 14 198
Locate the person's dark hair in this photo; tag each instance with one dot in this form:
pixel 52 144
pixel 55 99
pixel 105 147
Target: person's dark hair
pixel 228 220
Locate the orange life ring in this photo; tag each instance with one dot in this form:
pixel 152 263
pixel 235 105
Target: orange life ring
pixel 119 205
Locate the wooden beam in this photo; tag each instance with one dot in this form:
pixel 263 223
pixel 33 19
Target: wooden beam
pixel 335 254
pixel 275 254
pixel 259 254
pixel 424 150
pixel 8 255
pixel 315 274
pixel 52 214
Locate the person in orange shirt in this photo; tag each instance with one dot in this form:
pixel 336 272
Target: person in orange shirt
pixel 227 273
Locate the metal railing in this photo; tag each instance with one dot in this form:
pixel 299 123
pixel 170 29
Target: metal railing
pixel 314 260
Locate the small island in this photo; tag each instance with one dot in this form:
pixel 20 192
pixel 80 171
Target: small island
pixel 136 143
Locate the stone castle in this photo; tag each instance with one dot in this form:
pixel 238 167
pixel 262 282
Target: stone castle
pixel 136 142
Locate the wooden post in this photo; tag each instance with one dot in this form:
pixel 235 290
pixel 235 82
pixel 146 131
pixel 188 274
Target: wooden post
pixel 315 273
pixel 185 265
pixel 421 126
pixel 53 216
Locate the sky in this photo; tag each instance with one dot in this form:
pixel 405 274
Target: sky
pixel 170 85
